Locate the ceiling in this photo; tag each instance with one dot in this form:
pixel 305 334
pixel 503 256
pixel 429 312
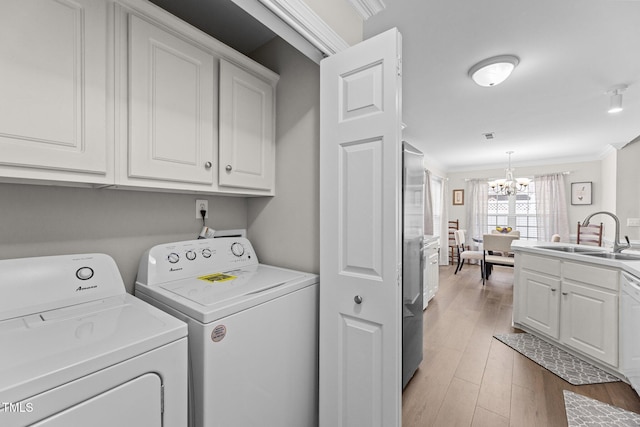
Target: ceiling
pixel 221 19
pixel 552 109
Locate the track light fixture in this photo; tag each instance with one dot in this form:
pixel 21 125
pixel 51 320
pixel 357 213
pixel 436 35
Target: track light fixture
pixel 615 92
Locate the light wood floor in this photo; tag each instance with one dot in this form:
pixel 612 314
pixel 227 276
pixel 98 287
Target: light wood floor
pixel 467 378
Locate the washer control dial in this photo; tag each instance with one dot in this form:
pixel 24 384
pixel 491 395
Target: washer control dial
pixel 206 252
pixel 237 249
pixel 173 257
pixel 191 255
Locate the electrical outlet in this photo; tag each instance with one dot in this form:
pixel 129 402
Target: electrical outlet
pixel 633 222
pixel 202 204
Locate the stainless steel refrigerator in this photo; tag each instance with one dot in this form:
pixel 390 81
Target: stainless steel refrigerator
pixel 412 259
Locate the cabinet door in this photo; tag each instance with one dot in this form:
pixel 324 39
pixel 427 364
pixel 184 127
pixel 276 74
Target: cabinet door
pixel 590 321
pixel 171 106
pixel 434 274
pixel 53 86
pixel 247 148
pixel 539 303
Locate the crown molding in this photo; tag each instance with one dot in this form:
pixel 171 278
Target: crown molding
pixel 367 8
pixel 306 22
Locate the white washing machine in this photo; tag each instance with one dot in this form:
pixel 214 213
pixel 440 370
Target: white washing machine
pixel 253 331
pixel 77 350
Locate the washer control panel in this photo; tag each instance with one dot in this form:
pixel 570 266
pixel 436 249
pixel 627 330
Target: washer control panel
pixel 191 258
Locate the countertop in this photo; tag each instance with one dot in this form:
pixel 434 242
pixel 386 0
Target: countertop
pixel 430 239
pixel 532 246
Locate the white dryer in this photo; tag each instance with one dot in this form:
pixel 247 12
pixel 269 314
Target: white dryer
pixel 77 350
pixel 253 331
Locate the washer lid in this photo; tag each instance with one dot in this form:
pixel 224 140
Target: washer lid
pixel 230 292
pixel 219 288
pixel 41 351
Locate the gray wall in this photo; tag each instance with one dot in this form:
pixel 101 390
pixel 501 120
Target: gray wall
pixel 47 220
pixel 285 229
pixel 628 188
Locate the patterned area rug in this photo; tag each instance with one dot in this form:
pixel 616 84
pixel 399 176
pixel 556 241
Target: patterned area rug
pixel 583 411
pixel 568 367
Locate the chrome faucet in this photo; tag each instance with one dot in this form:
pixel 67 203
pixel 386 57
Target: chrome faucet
pixel 617 246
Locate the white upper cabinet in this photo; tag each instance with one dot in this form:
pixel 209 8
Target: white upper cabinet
pixel 247 144
pixel 122 93
pixel 171 103
pixel 184 101
pixel 54 115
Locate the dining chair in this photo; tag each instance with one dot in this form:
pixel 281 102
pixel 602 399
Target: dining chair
pixel 464 254
pixel 496 251
pixel 453 226
pixel 510 233
pixel 590 234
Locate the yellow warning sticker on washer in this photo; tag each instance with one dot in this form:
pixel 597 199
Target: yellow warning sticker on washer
pixel 217 277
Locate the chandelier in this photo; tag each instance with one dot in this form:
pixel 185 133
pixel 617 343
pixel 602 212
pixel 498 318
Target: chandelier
pixel 509 185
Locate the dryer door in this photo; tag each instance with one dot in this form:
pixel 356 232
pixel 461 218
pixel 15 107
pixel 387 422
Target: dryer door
pixel 135 403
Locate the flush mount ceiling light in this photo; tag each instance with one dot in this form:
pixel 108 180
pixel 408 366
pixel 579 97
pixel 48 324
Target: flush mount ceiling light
pixel 493 71
pixel 615 92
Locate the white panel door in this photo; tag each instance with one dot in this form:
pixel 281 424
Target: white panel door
pixel 171 106
pixel 53 86
pixel 360 238
pixel 590 321
pixel 540 306
pixel 247 150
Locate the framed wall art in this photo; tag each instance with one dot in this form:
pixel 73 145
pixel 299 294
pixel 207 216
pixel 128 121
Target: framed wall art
pixel 581 193
pixel 458 197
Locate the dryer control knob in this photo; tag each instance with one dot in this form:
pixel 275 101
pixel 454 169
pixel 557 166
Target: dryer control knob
pixel 173 257
pixel 206 252
pixel 191 255
pixel 84 273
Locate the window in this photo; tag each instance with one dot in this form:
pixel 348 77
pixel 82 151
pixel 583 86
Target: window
pixel 517 212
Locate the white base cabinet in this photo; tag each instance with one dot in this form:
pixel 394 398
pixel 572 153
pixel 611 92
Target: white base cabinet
pixel 590 310
pixel 431 270
pixel 540 303
pixel 572 303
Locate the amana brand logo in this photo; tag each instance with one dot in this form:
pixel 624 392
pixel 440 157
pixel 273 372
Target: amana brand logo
pixel 175 269
pixel 85 288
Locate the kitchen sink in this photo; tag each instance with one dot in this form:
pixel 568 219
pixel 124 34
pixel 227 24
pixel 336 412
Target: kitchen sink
pixel 612 255
pixel 574 249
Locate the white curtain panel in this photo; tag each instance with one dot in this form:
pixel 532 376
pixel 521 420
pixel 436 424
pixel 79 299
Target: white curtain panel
pixel 478 211
pixel 428 205
pixel 551 207
pixel 444 223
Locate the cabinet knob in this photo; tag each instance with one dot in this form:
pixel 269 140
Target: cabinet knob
pixel 357 299
pixel 565 293
pixel 553 289
pixel 208 165
pixel 228 168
